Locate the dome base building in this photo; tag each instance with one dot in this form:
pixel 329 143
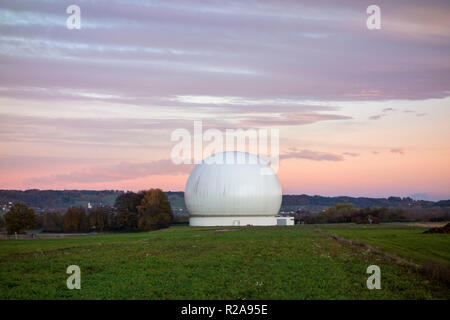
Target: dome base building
pixel 232 221
pixel 233 189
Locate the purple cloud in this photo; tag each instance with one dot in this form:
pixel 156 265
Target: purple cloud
pixel 351 154
pixel 225 48
pixel 398 150
pixel 377 117
pixel 290 119
pixel 311 155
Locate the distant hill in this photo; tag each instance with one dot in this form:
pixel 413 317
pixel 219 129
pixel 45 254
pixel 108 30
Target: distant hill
pixel 46 200
pixel 442 203
pixel 315 203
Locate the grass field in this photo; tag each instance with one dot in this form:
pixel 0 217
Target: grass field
pixel 408 242
pixel 298 262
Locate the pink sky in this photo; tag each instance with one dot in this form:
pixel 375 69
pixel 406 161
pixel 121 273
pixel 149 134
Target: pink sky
pixel 360 112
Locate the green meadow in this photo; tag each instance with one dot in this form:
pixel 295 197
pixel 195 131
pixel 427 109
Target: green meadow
pixel 407 242
pixel 299 262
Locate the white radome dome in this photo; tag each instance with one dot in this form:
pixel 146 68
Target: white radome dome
pixel 232 191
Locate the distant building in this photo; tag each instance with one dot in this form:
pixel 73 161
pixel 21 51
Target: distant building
pixel 285 221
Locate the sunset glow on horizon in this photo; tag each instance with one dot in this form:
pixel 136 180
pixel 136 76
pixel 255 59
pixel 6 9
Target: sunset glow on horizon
pixel 360 112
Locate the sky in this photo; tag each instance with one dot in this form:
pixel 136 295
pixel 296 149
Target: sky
pixel 360 112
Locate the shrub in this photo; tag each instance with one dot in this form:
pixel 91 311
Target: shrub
pixel 19 218
pixel 155 211
pixel 127 212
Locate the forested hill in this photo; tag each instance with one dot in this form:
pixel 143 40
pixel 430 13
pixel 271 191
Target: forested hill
pixel 44 200
pixel 58 199
pixel 320 202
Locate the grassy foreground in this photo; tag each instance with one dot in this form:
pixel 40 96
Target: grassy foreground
pixel 408 242
pixel 221 263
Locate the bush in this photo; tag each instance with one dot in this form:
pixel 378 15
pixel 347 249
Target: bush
pixel 19 218
pixel 155 211
pixel 127 212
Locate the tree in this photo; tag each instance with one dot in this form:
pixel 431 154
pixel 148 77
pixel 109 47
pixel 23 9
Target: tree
pixel 76 220
pixel 39 221
pixel 99 218
pixel 2 222
pixel 155 211
pixel 53 222
pixel 341 212
pixel 19 218
pixel 127 212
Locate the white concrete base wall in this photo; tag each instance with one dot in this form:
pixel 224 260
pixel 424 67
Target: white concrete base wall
pixel 233 221
pixel 285 221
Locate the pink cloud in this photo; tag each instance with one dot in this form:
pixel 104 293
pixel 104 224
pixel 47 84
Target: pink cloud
pixel 351 154
pixel 113 173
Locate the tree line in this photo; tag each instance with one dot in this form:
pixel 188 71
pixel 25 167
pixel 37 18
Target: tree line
pixel 347 212
pixel 360 202
pixel 132 212
pixel 50 200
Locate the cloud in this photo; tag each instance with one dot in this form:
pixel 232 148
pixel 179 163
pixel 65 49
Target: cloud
pixel 115 132
pixel 129 130
pixel 112 173
pixel 377 117
pixel 225 48
pixel 398 150
pixel 351 154
pixel 383 114
pixel 417 114
pixel 290 119
pixel 311 155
